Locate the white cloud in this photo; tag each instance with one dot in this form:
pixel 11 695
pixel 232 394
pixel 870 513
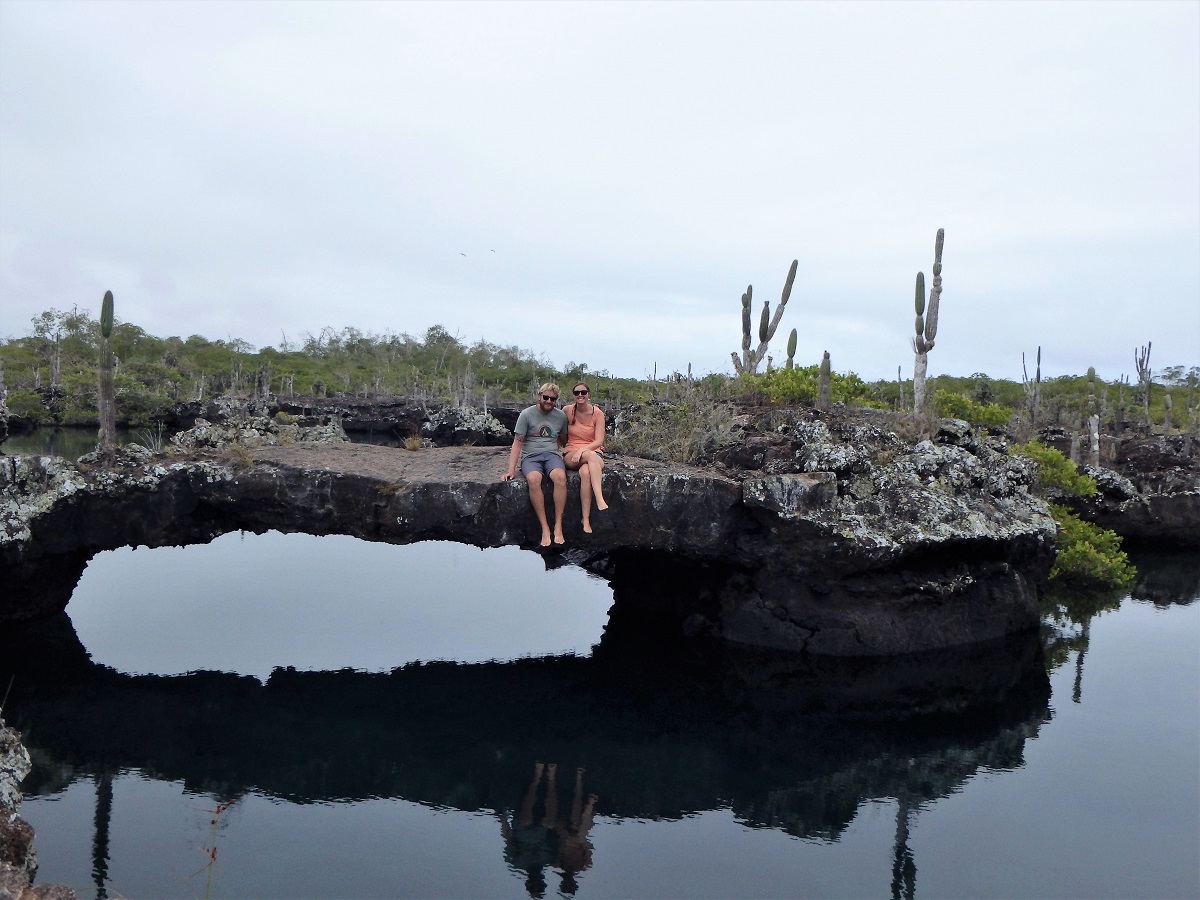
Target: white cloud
pixel 249 169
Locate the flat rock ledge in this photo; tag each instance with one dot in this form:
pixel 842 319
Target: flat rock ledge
pixel 877 548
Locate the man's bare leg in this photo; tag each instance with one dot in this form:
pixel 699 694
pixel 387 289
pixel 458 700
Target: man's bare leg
pixel 558 478
pixel 538 501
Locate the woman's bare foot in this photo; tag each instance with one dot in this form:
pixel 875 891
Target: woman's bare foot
pixel 587 527
pixel 545 538
pixel 600 504
pixel 558 537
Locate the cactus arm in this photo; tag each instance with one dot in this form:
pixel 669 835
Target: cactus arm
pixel 935 290
pixel 746 298
pixel 787 285
pixel 106 314
pixel 918 342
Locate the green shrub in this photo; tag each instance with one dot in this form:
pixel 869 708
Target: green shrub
pixel 1089 557
pixel 799 385
pixel 28 405
pixel 1055 471
pixel 956 406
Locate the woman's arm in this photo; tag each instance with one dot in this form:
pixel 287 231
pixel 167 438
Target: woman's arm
pixel 598 430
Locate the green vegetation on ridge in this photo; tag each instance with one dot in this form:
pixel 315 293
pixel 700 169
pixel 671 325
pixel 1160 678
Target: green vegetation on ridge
pixel 51 377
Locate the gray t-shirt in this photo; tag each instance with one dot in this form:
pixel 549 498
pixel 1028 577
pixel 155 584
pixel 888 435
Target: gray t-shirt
pixel 540 430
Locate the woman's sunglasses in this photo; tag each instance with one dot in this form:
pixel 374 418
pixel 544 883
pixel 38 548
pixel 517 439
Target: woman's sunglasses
pixel 580 393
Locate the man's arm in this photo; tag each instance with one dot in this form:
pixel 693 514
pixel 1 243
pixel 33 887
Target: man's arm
pixel 513 455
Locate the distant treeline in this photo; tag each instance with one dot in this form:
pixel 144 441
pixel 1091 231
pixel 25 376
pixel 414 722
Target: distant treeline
pixel 50 378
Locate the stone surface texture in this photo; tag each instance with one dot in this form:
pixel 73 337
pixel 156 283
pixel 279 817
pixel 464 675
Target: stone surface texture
pixel 821 532
pixel 848 543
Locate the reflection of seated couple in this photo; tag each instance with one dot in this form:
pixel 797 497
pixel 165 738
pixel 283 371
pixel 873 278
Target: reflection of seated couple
pixel 546 442
pixel 550 841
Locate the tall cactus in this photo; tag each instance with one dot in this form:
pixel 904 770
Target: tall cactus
pixel 1033 389
pixel 1141 361
pixel 823 383
pixel 791 357
pixel 106 395
pixel 926 323
pixel 1093 419
pixel 748 363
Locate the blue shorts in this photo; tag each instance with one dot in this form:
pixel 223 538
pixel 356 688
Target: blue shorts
pixel 545 462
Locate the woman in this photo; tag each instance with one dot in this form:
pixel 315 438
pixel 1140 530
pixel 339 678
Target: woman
pixel 585 441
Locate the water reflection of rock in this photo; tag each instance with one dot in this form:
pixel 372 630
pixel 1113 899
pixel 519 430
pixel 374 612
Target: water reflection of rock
pixel 1165 579
pixel 660 738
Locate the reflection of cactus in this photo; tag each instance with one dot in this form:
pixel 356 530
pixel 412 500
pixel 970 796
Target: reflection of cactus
pixel 791 359
pixel 823 383
pixel 926 323
pixel 747 364
pixel 106 396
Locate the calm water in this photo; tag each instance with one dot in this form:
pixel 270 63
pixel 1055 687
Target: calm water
pixel 70 443
pixel 346 769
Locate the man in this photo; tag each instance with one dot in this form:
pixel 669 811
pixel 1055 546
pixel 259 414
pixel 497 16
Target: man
pixel 537 439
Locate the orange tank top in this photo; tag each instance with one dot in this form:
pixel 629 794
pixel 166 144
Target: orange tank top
pixel 580 431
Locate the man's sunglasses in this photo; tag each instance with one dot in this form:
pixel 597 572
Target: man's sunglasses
pixel 580 393
pixel 548 397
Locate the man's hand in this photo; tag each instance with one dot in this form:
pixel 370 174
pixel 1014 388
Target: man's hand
pixel 507 476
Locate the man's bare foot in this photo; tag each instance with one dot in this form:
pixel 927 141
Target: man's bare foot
pixel 545 538
pixel 587 527
pixel 558 537
pixel 600 504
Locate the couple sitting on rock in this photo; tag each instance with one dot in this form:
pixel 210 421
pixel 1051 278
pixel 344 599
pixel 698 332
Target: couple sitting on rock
pixel 547 441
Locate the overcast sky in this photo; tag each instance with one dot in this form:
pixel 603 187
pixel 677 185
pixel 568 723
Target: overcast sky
pixel 599 182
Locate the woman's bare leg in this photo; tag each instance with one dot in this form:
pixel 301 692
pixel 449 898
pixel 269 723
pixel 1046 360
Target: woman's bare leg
pixel 585 497
pixel 595 465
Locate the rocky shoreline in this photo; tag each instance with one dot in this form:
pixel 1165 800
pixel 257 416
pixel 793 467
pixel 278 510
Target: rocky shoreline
pixel 18 860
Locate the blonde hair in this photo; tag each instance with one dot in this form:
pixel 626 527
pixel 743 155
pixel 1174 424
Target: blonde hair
pixel 548 387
